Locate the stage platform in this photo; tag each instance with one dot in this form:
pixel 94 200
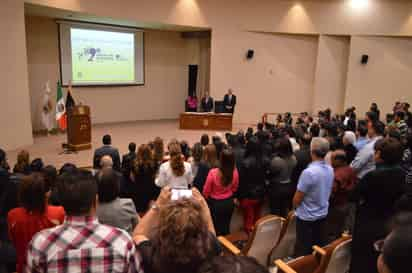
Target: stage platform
pixel 49 147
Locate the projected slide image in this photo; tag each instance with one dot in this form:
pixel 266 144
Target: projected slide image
pixel 102 56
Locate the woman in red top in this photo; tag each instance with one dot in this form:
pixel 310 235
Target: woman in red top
pixel 33 216
pixel 221 184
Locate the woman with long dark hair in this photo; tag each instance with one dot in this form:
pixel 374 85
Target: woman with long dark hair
pixel 208 162
pixel 220 187
pixel 281 187
pixel 251 184
pixel 140 186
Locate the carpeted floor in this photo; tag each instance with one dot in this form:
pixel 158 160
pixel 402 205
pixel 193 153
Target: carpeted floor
pixel 49 147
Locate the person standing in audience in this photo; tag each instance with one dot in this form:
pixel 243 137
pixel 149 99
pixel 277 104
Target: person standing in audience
pixel 140 185
pixel 364 160
pixel 251 190
pixel 219 190
pixel 348 140
pixel 344 182
pixel 362 133
pixel 128 159
pixel 311 199
pixel 281 188
pixel 107 149
pixel 158 151
pixel 208 162
pixel 36 165
pixel 303 158
pixel 204 140
pixel 176 236
pixel 207 103
pixel 112 210
pixel 50 177
pixel 106 162
pixel 23 163
pixel 197 154
pixel 191 103
pixel 229 102
pixel 400 123
pixel 408 114
pixel 33 216
pixel 175 173
pixel 374 108
pixel 81 237
pixel 376 195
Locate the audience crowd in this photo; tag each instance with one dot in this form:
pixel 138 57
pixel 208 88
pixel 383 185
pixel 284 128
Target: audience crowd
pixel 160 210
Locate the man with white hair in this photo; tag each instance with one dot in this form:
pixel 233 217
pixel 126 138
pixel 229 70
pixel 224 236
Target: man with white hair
pixel 349 141
pixel 311 199
pixel 106 162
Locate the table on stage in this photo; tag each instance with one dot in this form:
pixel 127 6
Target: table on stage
pixel 206 121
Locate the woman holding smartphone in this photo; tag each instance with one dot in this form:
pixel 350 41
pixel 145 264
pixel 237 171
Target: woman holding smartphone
pixel 220 187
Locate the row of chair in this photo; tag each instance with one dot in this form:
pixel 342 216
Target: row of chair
pixel 274 238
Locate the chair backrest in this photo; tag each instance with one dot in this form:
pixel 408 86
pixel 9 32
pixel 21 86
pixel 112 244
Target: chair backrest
pixel 340 259
pixel 264 237
pixel 286 245
pixel 328 252
pixel 304 264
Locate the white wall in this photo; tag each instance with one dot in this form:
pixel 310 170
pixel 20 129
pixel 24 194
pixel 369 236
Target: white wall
pixel 331 73
pixel 14 92
pixel 385 79
pixel 167 56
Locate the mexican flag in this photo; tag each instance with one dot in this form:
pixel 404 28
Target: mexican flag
pixel 61 115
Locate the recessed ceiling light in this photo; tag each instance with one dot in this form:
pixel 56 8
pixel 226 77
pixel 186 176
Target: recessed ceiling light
pixel 359 4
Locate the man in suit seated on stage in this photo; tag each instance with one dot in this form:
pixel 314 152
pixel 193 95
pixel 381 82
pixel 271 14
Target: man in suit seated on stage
pixel 107 149
pixel 207 103
pixel 229 102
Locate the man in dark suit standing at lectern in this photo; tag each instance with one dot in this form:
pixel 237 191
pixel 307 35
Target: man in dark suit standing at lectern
pixel 207 103
pixel 229 102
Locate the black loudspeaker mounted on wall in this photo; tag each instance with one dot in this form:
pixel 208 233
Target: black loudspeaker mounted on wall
pixel 364 59
pixel 192 79
pixel 249 54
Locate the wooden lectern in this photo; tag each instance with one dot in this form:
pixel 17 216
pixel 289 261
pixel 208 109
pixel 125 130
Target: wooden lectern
pixel 79 134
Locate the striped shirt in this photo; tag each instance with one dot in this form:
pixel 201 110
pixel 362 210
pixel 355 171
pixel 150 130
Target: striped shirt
pixel 82 244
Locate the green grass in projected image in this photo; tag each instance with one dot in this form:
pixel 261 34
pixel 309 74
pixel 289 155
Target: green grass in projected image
pixel 102 56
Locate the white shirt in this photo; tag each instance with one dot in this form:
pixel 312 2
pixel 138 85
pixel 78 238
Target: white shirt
pixel 167 178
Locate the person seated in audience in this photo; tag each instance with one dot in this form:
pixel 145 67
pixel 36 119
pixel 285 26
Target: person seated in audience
pixel 281 188
pixel 140 185
pixel 349 141
pixel 395 251
pixel 191 102
pixel 232 264
pixel 81 237
pixel 219 190
pixel 376 195
pixel 251 191
pixel 176 236
pixel 311 199
pixel 175 173
pixel 207 103
pixel 36 165
pixel 107 149
pixel 33 216
pixel 204 140
pixel 112 210
pixel 158 151
pixel 364 160
pixel 344 182
pixel 362 136
pixel 128 159
pixel 208 162
pixel 23 163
